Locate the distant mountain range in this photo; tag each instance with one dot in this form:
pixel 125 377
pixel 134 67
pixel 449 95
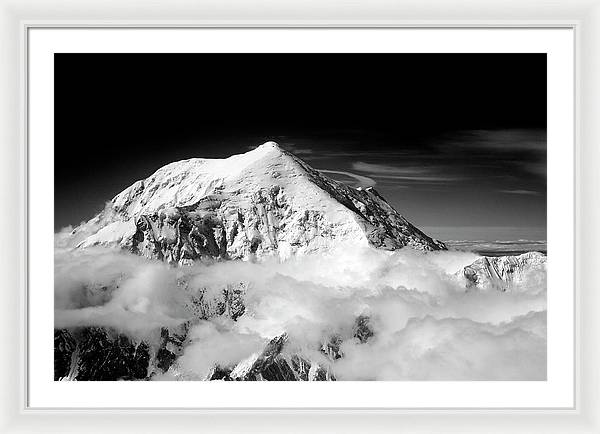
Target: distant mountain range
pixel 498 247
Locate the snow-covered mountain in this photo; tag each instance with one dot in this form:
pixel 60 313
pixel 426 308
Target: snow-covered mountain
pixel 261 203
pixel 505 272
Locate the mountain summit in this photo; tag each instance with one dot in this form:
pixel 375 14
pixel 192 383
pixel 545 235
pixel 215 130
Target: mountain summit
pixel 261 203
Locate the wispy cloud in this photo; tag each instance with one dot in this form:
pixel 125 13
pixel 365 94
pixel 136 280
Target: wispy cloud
pixel 297 149
pixel 502 140
pixel 523 192
pixel 321 155
pixel 524 148
pixel 361 181
pixel 414 174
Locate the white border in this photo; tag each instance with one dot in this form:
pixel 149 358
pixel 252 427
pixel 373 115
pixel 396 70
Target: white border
pixel 14 19
pixel 557 392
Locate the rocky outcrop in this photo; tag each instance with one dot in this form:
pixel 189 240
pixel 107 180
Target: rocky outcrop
pixel 227 301
pixel 502 273
pixel 276 364
pixel 94 353
pixel 102 353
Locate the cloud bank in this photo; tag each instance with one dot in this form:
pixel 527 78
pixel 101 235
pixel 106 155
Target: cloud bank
pixel 425 325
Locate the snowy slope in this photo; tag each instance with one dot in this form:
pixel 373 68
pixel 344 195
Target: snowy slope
pixel 506 272
pixel 264 202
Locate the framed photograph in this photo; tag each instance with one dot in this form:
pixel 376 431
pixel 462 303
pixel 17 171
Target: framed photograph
pixel 301 224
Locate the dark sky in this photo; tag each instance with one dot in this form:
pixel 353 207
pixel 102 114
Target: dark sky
pixel 456 142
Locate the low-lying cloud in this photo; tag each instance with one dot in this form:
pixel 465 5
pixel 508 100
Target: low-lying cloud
pixel 425 325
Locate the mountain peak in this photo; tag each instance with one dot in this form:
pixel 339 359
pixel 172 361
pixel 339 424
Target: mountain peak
pixel 269 145
pixel 263 202
pixel 269 148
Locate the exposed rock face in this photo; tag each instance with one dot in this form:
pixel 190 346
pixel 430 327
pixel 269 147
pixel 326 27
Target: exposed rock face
pixel 92 353
pixel 99 353
pixel 362 329
pixel 228 301
pixel 264 202
pixel 504 272
pixel 276 364
pixel 102 354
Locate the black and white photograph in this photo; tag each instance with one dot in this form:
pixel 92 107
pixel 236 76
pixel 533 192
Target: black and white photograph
pixel 300 217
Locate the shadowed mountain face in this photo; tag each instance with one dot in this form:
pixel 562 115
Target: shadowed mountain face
pixel 266 202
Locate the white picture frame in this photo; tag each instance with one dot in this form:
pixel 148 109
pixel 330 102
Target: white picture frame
pixel 17 18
